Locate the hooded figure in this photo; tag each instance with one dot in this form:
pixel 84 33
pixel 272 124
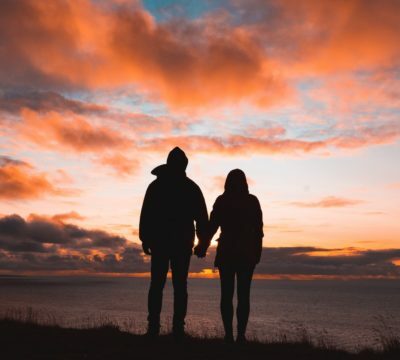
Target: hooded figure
pixel 172 204
pixel 239 216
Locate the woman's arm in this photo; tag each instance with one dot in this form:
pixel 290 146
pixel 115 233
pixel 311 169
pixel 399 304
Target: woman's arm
pixel 215 219
pixel 258 228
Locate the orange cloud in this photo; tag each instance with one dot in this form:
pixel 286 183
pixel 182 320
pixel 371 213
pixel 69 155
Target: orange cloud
pixel 333 252
pixel 120 163
pixel 19 180
pixel 196 64
pixel 328 202
pixel 340 35
pixel 396 262
pixel 80 43
pixel 213 60
pixel 70 131
pixel 72 215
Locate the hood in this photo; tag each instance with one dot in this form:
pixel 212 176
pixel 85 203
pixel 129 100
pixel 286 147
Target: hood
pixel 177 159
pixel 236 183
pixel 175 166
pixel 160 170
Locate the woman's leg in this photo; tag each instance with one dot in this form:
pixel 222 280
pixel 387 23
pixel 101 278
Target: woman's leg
pixel 227 278
pixel 244 277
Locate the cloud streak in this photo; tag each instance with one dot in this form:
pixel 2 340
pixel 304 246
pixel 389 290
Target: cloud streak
pixel 45 101
pixel 327 202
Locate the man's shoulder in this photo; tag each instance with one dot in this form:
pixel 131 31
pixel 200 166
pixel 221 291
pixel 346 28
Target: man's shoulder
pixel 153 185
pixel 191 183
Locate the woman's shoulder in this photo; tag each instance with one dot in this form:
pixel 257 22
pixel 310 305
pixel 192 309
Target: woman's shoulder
pixel 253 198
pixel 219 199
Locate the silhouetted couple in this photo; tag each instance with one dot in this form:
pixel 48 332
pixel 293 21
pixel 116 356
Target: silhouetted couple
pixel 172 204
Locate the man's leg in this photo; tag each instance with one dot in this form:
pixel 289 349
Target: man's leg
pixel 159 270
pixel 227 278
pixel 244 277
pixel 180 268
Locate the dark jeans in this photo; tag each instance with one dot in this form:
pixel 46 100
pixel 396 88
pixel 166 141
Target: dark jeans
pixel 244 276
pixel 160 263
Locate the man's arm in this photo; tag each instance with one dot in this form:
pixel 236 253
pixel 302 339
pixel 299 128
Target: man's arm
pixel 214 219
pixel 146 220
pixel 201 218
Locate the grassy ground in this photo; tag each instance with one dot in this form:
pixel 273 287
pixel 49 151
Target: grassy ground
pixel 28 340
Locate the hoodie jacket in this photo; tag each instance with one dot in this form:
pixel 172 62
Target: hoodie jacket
pixel 240 241
pixel 172 204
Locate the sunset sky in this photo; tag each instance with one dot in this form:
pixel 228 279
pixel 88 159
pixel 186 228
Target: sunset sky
pixel 304 96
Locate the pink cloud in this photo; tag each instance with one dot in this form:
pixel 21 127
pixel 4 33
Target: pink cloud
pixel 121 164
pixel 327 202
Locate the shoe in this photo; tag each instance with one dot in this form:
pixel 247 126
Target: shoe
pixel 178 335
pixel 152 333
pixel 228 339
pixel 241 339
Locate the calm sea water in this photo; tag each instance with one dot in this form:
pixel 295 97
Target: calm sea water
pixel 346 313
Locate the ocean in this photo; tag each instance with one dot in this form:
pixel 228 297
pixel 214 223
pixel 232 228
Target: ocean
pixel 349 314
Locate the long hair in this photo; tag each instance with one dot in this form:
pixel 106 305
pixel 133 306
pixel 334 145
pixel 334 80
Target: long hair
pixel 236 183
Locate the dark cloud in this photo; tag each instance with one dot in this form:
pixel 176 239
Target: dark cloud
pixel 316 261
pixel 47 231
pixel 46 244
pixel 6 160
pixel 12 101
pixel 312 261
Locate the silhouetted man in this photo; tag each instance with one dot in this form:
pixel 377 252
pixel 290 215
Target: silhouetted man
pixel 171 205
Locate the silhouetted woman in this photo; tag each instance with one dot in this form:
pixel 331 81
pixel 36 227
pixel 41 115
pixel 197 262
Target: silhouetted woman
pixel 239 215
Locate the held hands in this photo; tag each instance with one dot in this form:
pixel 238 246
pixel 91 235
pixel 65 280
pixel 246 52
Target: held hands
pixel 200 251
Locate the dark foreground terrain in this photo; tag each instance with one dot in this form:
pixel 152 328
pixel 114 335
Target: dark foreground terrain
pixel 25 340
